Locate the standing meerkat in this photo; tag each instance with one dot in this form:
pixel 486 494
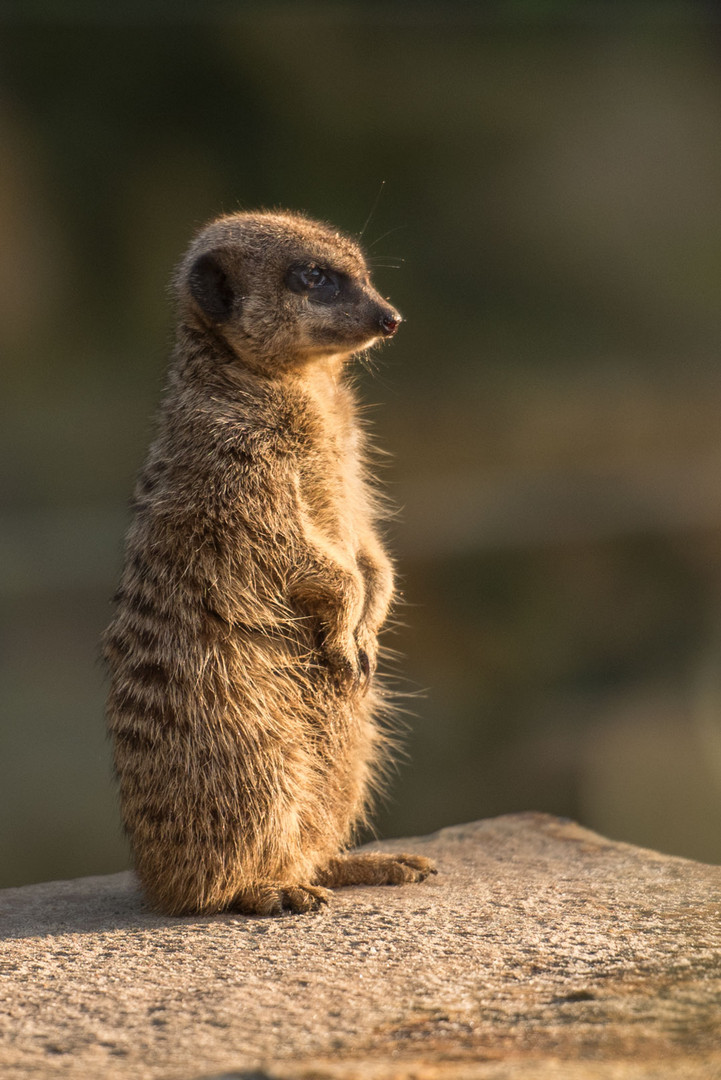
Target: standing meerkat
pixel 243 707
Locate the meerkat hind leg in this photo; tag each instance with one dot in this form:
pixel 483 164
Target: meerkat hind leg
pixel 273 898
pixel 374 868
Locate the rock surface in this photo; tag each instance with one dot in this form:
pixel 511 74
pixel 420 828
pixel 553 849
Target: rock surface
pixel 540 951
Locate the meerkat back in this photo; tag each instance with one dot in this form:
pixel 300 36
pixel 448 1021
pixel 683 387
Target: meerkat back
pixel 243 703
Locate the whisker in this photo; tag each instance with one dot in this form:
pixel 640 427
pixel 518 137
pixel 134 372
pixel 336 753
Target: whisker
pixel 383 236
pixel 372 210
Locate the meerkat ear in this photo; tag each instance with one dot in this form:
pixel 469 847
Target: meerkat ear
pixel 210 287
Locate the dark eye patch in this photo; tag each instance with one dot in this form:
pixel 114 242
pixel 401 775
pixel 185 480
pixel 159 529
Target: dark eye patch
pixel 318 283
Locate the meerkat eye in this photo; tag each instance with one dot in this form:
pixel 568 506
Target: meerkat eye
pixel 320 285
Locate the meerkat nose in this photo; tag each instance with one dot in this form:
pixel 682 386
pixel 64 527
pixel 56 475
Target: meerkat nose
pixel 389 322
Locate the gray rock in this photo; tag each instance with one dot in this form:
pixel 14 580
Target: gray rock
pixel 540 951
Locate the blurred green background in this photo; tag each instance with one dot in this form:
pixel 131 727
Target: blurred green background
pixel 552 202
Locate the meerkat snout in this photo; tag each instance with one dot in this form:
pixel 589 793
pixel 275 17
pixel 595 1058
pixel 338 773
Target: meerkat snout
pixel 389 323
pixel 383 319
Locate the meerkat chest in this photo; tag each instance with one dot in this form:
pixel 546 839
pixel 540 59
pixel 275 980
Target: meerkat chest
pixel 331 470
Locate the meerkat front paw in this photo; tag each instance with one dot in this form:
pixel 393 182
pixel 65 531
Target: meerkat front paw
pixel 270 898
pixel 349 665
pixel 367 654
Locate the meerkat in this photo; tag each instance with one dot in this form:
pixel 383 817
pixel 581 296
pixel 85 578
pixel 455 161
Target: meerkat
pixel 244 707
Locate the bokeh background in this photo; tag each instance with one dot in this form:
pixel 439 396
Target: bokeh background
pixel 550 225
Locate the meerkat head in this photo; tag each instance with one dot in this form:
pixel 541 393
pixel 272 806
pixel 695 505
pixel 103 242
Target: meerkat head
pixel 281 290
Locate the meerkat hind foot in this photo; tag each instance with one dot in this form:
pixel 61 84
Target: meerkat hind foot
pixel 272 898
pixel 375 868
